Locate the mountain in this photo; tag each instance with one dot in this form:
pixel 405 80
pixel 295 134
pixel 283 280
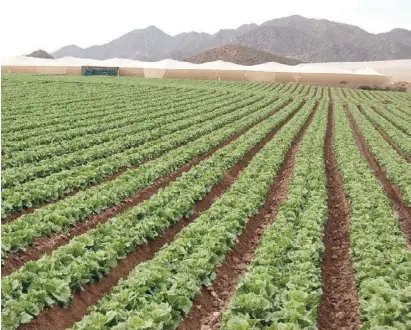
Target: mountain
pixel 240 55
pixel 40 54
pixel 309 40
pixel 322 40
pixel 150 44
pixel 70 50
pixel 186 44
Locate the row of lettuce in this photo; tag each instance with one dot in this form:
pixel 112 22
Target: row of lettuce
pixel 38 162
pixel 62 101
pixel 57 130
pixel 123 154
pixel 396 168
pixel 401 121
pixel 41 126
pixel 396 136
pixel 23 98
pixel 26 100
pixel 177 272
pixel 91 255
pixel 57 217
pixel 366 97
pixel 100 117
pixel 48 172
pixel 381 261
pixel 282 288
pixel 295 90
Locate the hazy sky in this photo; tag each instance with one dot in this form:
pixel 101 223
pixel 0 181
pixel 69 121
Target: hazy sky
pixel 29 25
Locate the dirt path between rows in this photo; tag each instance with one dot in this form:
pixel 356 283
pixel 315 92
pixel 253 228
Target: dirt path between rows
pixel 339 302
pixel 212 301
pixel 392 192
pixel 45 245
pixel 62 318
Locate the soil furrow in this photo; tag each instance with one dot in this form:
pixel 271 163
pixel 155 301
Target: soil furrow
pixel 62 318
pixel 400 209
pixel 212 301
pixel 339 302
pixel 385 136
pixel 45 245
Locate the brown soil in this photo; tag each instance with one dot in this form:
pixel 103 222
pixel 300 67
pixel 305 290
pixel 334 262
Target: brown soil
pixel 62 318
pixel 212 301
pixel 393 193
pixel 385 136
pixel 16 215
pixel 48 244
pixel 339 302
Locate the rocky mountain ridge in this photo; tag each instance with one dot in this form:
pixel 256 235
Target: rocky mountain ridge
pixel 305 39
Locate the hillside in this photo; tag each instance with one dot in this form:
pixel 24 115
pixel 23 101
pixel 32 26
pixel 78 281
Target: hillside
pixel 315 40
pixel 310 40
pixel 40 54
pixel 240 55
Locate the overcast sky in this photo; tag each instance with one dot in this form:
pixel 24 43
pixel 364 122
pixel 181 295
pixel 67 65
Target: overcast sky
pixel 28 25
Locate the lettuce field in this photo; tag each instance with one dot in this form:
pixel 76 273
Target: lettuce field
pixel 134 203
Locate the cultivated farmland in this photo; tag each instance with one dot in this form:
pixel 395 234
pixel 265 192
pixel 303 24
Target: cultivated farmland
pixel 134 203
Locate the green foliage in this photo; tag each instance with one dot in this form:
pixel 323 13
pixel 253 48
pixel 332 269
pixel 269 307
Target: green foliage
pixel 134 149
pixel 180 269
pixel 381 262
pixel 399 138
pixel 59 216
pixel 93 254
pixel 61 134
pixel 282 288
pixel 397 169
